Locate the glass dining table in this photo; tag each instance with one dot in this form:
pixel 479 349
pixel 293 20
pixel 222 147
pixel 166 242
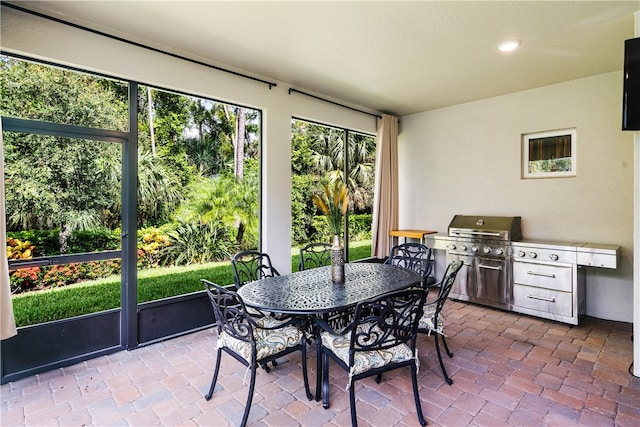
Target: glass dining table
pixel 312 293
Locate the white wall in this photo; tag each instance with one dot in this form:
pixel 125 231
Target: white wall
pixel 44 39
pixel 466 159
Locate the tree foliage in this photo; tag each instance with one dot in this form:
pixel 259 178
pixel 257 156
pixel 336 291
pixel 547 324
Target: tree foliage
pixel 52 181
pixel 319 153
pixel 225 198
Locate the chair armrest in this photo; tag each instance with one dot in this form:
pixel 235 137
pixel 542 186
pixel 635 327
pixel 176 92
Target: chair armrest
pixel 322 324
pixel 274 323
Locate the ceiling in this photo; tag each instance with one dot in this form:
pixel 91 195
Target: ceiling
pixel 386 56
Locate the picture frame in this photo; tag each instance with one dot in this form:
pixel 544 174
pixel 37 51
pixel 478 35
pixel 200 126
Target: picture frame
pixel 549 154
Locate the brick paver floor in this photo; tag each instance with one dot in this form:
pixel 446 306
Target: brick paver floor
pixel 507 369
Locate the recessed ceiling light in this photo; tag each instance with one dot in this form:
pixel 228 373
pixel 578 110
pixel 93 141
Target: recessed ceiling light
pixel 509 45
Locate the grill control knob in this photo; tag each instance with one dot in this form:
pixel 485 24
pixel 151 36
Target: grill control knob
pixel 499 251
pixel 533 255
pixel 451 247
pixel 463 247
pixel 474 249
pixel 553 257
pixel 486 250
pixel 521 253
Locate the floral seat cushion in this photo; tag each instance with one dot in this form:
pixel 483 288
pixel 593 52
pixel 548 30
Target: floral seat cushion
pixel 268 341
pixel 365 360
pixel 426 321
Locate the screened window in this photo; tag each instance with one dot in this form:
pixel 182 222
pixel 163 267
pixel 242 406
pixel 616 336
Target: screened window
pixel 64 140
pixel 319 154
pixel 198 195
pixel 62 188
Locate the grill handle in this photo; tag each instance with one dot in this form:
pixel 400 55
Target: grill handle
pixel 541 298
pixel 478 233
pixel 533 273
pixel 490 267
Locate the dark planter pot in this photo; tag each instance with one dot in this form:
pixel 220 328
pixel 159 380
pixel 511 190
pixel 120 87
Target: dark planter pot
pixel 53 345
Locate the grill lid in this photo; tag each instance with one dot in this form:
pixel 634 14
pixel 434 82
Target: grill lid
pixel 486 227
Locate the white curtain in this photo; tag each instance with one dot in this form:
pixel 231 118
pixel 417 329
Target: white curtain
pixel 7 322
pixel 385 205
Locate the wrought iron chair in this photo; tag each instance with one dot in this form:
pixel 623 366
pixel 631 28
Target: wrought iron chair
pixel 314 255
pixel 382 337
pixel 432 320
pixel 251 341
pixel 251 265
pixel 416 257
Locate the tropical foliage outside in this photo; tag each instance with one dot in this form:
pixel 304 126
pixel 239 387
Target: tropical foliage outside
pixel 198 177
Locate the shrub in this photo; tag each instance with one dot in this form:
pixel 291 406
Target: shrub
pixel 24 279
pixel 359 228
pixel 151 246
pixel 301 207
pixel 47 242
pixel 17 249
pixel 93 240
pixel 98 269
pixel 198 243
pixel 61 275
pixel 35 278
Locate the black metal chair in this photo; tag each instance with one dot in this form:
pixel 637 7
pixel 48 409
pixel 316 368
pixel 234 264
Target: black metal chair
pixel 382 337
pixel 432 320
pixel 251 265
pixel 252 341
pixel 314 255
pixel 254 265
pixel 416 257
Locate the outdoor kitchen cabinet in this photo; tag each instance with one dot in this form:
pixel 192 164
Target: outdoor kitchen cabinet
pixel 549 278
pixel 554 292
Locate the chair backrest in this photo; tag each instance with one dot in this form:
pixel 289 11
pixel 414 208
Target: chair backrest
pixel 230 311
pixel 446 284
pixel 314 255
pixel 251 265
pixel 412 256
pixel 386 321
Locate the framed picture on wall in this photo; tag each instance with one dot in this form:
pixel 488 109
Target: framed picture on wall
pixel 549 154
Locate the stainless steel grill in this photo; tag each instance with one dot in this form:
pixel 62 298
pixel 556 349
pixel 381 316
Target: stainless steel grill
pixel 482 243
pixel 540 278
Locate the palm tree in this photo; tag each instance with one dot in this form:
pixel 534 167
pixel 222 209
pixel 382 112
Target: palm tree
pixel 328 154
pixel 224 198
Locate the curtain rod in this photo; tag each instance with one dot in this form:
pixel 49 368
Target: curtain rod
pixel 123 40
pixel 332 102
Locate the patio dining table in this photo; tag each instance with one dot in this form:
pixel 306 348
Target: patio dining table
pixel 312 293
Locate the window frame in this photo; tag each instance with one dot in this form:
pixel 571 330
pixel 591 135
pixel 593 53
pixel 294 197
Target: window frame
pixel 527 141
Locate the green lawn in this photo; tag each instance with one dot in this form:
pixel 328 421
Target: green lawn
pixel 98 295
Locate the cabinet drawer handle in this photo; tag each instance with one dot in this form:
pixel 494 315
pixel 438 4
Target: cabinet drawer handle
pixel 541 298
pixel 533 273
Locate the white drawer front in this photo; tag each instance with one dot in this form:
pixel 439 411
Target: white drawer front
pixel 543 300
pixel 554 277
